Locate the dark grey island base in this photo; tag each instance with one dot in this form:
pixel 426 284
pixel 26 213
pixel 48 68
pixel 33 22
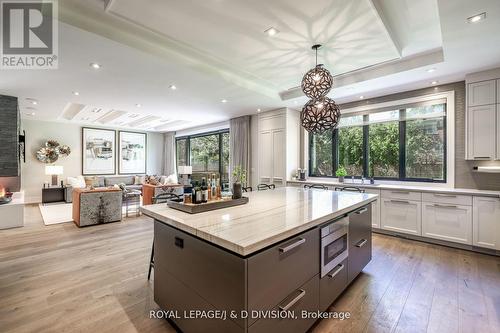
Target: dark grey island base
pixel 281 280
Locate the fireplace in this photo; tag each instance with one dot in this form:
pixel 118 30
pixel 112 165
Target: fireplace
pixel 5 196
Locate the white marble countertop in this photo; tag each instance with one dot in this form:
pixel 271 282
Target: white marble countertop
pixel 268 218
pixel 464 191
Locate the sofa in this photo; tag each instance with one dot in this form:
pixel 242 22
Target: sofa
pixel 105 181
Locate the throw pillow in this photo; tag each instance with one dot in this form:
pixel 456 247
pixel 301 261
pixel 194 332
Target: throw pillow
pixel 139 180
pixel 171 179
pixel 153 180
pixel 91 181
pixel 76 182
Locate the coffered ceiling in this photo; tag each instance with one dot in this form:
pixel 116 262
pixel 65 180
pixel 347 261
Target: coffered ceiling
pixel 216 50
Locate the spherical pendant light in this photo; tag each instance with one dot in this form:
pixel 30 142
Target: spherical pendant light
pixel 320 115
pixel 317 82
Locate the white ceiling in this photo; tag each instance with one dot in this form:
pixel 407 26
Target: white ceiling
pixel 216 49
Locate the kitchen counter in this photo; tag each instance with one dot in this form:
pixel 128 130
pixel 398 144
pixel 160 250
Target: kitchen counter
pixel 430 189
pixel 269 217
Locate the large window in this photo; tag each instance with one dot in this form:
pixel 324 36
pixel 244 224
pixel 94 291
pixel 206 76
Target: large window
pixel 406 143
pixel 207 153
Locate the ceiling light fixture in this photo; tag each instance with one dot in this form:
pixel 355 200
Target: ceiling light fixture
pixel 320 113
pixel 476 18
pixel 434 82
pixel 34 102
pixel 431 70
pixel 272 31
pixel 361 97
pixel 138 105
pixel 76 93
pixel 224 101
pixel 95 65
pixel 173 87
pixel 258 110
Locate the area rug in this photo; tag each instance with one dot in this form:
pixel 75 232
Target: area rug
pixel 56 213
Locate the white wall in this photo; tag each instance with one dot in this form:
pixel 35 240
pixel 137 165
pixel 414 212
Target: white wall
pixel 38 132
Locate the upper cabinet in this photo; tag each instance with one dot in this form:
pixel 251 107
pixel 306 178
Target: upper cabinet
pixel 482 93
pixel 9 136
pixel 278 146
pixel 482 123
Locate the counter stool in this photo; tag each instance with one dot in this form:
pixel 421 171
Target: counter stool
pixel 262 187
pixel 318 186
pixel 350 189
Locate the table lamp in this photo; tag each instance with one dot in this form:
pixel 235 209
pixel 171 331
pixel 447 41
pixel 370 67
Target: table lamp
pixel 54 171
pixel 184 172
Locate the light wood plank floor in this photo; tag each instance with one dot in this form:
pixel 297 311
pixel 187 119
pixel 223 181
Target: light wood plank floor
pixel 64 279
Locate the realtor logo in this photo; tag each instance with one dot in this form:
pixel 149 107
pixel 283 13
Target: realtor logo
pixel 29 35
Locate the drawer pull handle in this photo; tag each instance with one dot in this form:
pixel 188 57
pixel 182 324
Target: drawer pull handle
pixel 337 271
pixel 445 206
pixel 287 248
pixel 362 210
pixel 482 157
pixel 179 242
pixel 401 192
pixel 293 301
pixel 401 202
pixel 445 195
pixel 362 243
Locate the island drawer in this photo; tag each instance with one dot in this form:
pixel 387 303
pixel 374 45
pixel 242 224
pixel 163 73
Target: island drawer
pixel 448 198
pixel 402 194
pixel 214 274
pixel 272 274
pixel 360 241
pixel 303 298
pixel 332 285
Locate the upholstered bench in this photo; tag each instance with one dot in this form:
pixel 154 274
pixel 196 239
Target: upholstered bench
pixel 100 205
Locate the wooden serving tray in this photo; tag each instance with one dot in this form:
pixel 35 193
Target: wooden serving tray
pixel 208 206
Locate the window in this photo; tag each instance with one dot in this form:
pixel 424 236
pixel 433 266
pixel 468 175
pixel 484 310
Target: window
pixel 207 153
pixel 406 143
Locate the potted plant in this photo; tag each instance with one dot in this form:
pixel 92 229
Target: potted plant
pixel 341 173
pixel 239 178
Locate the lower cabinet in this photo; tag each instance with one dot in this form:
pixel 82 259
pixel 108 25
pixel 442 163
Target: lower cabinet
pixel 486 222
pixel 403 216
pixel 447 222
pixel 360 241
pixel 332 285
pixel 375 208
pixel 304 298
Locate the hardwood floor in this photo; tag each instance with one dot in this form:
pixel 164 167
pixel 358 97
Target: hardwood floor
pixel 63 279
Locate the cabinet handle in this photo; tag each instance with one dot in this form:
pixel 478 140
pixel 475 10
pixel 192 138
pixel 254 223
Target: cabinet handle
pixel 292 246
pixel 401 202
pixel 362 210
pixel 482 157
pixel 361 243
pixel 337 271
pixel 293 301
pixel 445 195
pixel 445 206
pixel 400 192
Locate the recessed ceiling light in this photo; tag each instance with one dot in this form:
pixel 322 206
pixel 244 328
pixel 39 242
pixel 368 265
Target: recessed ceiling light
pixel 95 65
pixel 258 110
pixel 430 70
pixel 34 102
pixel 173 87
pixel 76 93
pixel 138 105
pixel 272 31
pixel 361 97
pixel 476 18
pixel 30 113
pixel 224 101
pixel 434 82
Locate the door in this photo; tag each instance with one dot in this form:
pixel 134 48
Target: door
pixel 403 216
pixel 265 157
pixel 447 222
pixel 279 157
pixel 482 132
pixel 482 93
pixel 486 222
pixel 375 208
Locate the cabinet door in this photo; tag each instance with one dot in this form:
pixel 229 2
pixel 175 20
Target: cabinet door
pixel 279 157
pixel 486 222
pixel 403 216
pixel 360 241
pixel 482 132
pixel 498 132
pixel 375 208
pixel 482 93
pixel 265 157
pixel 498 91
pixel 447 222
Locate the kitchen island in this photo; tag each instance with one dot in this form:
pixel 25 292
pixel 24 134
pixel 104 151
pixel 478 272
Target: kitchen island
pixel 230 270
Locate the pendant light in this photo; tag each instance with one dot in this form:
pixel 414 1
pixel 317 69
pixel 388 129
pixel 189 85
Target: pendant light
pixel 320 113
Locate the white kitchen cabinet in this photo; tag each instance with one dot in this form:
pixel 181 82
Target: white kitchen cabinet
pixel 278 146
pixel 498 91
pixel 486 222
pixel 482 133
pixel 498 130
pixel 375 208
pixel 403 216
pixel 482 93
pixel 447 222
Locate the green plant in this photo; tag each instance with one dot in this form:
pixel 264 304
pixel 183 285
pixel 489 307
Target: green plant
pixel 341 171
pixel 239 175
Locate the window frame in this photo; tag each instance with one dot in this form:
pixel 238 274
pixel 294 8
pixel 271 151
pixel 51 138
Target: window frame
pixel 187 151
pixel 402 151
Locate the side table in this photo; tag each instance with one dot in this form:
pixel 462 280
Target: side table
pixel 52 194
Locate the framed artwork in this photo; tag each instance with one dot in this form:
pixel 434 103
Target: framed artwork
pixel 98 151
pixel 132 153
